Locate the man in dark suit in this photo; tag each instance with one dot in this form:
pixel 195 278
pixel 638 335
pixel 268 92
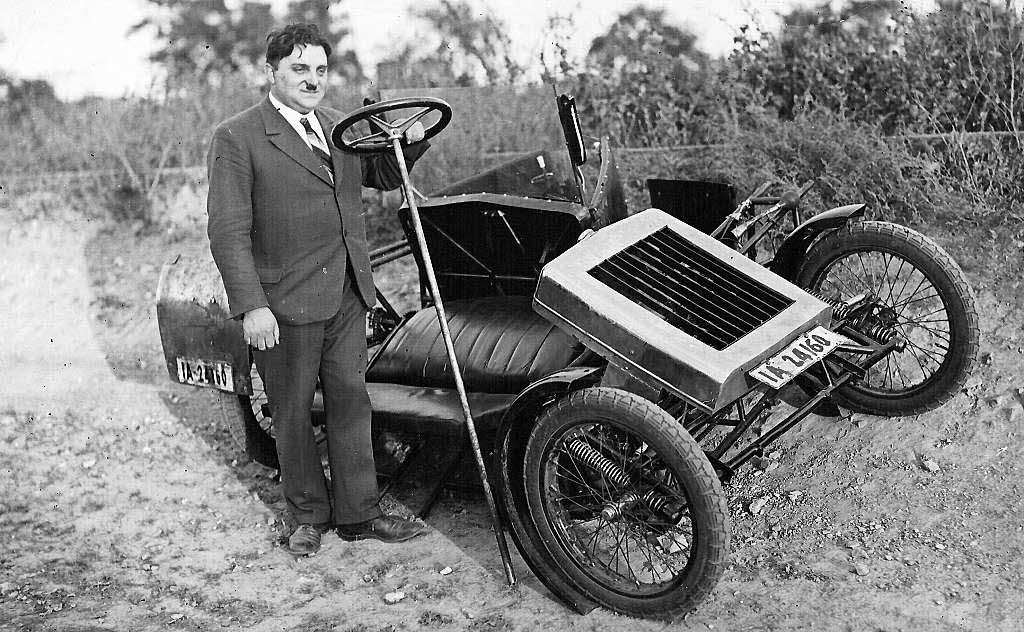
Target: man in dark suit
pixel 287 233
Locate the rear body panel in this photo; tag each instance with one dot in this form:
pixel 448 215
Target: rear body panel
pixel 200 340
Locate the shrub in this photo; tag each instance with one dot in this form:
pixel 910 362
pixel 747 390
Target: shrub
pixel 851 162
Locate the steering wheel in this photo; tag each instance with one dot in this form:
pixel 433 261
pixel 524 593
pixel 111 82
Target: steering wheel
pixel 384 132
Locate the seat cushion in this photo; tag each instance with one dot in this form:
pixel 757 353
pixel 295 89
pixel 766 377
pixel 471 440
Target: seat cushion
pixel 501 343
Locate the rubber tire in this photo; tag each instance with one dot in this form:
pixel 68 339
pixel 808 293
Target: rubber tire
pixel 235 414
pixel 681 453
pixel 955 292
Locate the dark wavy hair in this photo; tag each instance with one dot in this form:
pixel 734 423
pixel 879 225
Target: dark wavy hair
pixel 281 42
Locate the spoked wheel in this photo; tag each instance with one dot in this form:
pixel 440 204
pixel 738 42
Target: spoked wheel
pixel 626 503
pixel 250 424
pixel 923 294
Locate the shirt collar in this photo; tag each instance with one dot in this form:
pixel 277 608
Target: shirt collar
pixel 294 117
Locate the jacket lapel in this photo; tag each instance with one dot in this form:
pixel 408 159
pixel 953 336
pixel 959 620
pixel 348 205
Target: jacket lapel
pixel 285 138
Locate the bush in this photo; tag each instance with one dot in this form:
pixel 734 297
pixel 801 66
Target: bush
pixel 851 162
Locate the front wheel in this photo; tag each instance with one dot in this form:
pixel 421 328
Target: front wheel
pixel 922 293
pixel 626 503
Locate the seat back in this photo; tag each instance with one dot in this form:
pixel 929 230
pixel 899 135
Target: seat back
pixel 501 343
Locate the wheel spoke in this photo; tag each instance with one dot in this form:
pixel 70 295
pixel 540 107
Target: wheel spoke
pixel 860 279
pixel 899 295
pixel 640 548
pixel 845 290
pixel 903 378
pixel 917 358
pixel 938 333
pixel 381 123
pixel 576 478
pixel 925 351
pixel 910 302
pixel 917 292
pixel 404 125
pixel 895 278
pixel 629 566
pixel 377 136
pixel 867 275
pixel 571 499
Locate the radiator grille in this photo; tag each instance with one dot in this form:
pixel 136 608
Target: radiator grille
pixel 690 289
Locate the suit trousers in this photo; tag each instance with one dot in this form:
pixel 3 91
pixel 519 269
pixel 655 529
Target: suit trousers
pixel 335 351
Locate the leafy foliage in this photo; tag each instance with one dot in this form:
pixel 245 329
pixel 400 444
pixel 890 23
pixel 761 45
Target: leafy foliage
pixel 645 83
pixel 868 67
pixel 824 97
pixel 953 69
pixel 211 39
pixel 472 48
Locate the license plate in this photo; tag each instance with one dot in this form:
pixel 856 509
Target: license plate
pixel 206 373
pixel 798 356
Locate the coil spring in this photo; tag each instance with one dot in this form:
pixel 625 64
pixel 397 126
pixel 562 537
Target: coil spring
pixel 655 501
pixel 840 309
pixel 594 459
pixel 880 332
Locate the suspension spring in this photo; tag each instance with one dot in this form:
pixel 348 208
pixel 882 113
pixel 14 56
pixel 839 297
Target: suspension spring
pixel 656 502
pixel 880 332
pixel 840 310
pixel 590 457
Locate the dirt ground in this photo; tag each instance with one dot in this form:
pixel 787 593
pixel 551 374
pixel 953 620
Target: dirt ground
pixel 125 507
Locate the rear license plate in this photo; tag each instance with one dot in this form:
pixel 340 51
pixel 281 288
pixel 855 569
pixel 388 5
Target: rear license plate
pixel 798 356
pixel 210 373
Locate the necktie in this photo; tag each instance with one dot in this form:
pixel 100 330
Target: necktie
pixel 318 147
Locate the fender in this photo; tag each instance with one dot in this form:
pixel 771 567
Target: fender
pixel 534 395
pixel 202 345
pixel 510 443
pixel 793 247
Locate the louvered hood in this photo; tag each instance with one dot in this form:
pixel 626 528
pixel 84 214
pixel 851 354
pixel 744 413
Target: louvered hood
pixel 674 307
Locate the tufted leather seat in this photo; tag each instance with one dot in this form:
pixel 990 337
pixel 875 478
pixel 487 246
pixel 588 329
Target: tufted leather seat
pixel 501 343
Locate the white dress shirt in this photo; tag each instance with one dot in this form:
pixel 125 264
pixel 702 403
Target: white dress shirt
pixel 293 117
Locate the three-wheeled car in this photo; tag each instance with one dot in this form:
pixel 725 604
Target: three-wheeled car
pixel 620 364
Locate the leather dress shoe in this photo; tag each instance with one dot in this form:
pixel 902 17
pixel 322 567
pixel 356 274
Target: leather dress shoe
pixel 389 528
pixel 305 540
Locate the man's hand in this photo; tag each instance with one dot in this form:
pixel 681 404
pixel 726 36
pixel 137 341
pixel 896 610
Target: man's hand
pixel 260 329
pixel 415 133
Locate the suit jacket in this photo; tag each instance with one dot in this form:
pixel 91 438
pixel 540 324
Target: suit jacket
pixel 281 234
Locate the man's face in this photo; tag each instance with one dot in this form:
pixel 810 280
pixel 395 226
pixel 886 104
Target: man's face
pixel 300 79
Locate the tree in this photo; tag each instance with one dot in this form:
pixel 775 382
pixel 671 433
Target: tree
pixel 641 36
pixel 208 38
pixel 409 68
pixel 644 80
pixel 844 60
pixel 472 41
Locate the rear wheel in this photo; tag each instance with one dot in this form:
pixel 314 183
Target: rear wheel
pixel 922 293
pixel 247 418
pixel 626 503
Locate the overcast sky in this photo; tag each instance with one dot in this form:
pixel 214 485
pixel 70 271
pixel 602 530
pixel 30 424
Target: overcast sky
pixel 81 46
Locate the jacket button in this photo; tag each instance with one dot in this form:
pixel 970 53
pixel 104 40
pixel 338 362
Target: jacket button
pixel 325 270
